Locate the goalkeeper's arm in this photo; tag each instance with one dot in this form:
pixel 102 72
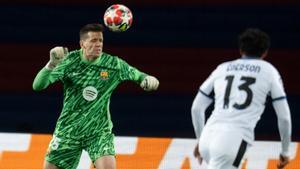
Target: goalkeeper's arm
pixel 42 79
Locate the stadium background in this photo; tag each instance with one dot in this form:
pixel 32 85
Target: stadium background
pixel 180 42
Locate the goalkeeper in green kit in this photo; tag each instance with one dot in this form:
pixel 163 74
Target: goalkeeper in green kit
pixel 89 77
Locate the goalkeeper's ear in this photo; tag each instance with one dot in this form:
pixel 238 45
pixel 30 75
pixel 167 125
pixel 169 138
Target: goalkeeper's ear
pixel 150 83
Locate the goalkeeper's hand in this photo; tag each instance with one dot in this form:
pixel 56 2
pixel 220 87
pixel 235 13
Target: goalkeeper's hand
pixel 149 83
pixel 57 55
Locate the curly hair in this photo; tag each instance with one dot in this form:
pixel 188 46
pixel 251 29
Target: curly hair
pixel 254 42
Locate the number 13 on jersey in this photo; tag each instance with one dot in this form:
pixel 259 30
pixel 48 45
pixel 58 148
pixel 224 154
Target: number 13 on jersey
pixel 244 86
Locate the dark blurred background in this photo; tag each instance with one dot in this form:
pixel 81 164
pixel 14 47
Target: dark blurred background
pixel 180 42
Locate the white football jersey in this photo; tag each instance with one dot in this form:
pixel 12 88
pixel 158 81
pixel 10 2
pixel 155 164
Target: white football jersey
pixel 240 89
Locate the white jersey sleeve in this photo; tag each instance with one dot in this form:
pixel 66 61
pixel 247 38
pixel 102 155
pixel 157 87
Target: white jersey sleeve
pixel 208 85
pixel 277 89
pixel 199 106
pixel 284 124
pixel 282 110
pixel 201 102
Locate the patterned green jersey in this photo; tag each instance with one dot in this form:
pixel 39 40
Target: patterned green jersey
pixel 87 91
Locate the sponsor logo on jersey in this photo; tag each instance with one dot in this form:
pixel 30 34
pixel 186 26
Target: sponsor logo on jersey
pixel 90 93
pixel 104 75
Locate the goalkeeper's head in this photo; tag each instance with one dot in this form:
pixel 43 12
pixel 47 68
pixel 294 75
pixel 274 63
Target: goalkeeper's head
pixel 91 41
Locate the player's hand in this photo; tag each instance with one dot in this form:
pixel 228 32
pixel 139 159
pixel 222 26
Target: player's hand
pixel 283 161
pixel 57 55
pixel 197 154
pixel 149 83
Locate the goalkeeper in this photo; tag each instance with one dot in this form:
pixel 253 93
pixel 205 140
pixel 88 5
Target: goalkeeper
pixel 89 77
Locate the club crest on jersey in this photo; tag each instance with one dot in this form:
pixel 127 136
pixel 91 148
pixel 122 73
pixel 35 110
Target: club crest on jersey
pixel 104 75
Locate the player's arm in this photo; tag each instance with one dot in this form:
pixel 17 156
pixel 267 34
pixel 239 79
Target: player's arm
pixel 282 110
pixel 147 82
pixel 199 106
pixel 201 102
pixel 285 128
pixel 43 79
pixel 284 123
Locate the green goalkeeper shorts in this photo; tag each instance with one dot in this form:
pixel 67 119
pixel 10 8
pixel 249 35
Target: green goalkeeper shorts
pixel 65 152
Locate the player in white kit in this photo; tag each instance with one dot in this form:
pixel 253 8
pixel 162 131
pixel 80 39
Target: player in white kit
pixel 240 89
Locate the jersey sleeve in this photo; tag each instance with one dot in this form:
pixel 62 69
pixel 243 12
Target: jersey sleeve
pixel 284 123
pixel 208 85
pixel 282 110
pixel 128 72
pixel 199 106
pixel 59 71
pixel 277 89
pixel 42 80
pixel 45 77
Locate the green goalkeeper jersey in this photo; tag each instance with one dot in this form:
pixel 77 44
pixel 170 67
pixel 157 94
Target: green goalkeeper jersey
pixel 87 90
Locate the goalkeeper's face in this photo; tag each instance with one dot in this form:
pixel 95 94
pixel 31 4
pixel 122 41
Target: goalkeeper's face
pixel 92 45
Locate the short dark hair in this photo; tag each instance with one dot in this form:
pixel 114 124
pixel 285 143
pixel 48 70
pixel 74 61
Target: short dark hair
pixel 93 27
pixel 254 42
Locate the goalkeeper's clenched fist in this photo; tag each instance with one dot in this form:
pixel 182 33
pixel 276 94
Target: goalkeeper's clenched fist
pixel 57 54
pixel 149 83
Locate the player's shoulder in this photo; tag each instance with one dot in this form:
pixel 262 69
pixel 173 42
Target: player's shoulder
pixel 109 58
pixel 224 65
pixel 220 69
pixel 74 54
pixel 110 61
pixel 268 67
